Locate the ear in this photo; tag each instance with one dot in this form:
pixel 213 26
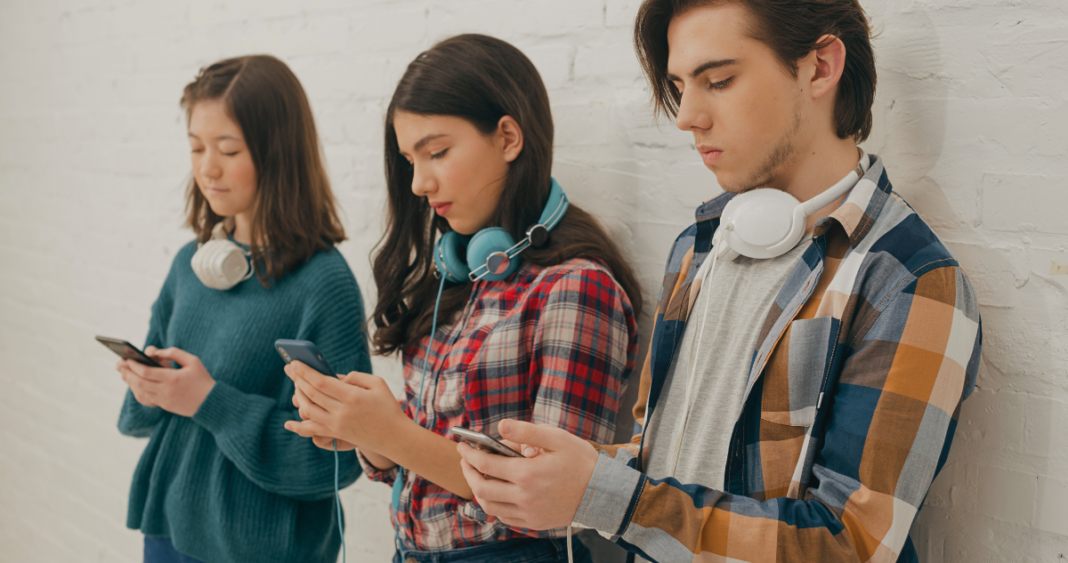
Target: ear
pixel 829 62
pixel 509 138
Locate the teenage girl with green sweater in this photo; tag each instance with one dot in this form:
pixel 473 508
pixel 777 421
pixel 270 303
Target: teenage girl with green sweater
pixel 221 480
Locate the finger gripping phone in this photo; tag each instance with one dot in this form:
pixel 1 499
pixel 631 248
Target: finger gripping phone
pixel 483 442
pixel 127 351
pixel 305 352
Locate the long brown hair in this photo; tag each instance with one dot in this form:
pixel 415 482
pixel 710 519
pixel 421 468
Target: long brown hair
pixel 295 215
pixel 792 29
pixel 480 79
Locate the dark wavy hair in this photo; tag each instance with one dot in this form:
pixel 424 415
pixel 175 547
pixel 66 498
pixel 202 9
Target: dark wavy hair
pixel 295 214
pixel 480 79
pixel 791 28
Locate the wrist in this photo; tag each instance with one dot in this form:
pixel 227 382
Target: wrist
pixel 202 396
pixel 396 434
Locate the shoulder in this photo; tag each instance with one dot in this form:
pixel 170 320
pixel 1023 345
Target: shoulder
pixel 899 237
pixel 902 254
pixel 573 269
pixel 325 266
pixel 185 255
pixel 578 280
pixel 182 262
pixel 324 282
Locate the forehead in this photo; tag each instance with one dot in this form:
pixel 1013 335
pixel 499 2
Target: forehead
pixel 709 33
pixel 413 127
pixel 209 118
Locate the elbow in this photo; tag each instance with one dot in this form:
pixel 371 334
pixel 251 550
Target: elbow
pixel 135 431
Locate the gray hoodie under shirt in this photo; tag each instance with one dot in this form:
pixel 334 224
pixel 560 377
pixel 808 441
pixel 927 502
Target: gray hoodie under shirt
pixel 732 305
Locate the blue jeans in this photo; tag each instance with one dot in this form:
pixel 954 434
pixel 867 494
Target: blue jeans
pixel 523 550
pixel 159 549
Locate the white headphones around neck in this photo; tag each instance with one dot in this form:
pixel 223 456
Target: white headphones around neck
pixel 220 263
pixel 766 222
pixel 762 223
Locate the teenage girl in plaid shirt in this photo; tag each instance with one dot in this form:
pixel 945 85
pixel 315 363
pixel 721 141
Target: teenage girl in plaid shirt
pixel 468 146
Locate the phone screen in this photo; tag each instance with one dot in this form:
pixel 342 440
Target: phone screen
pixel 127 351
pixel 483 442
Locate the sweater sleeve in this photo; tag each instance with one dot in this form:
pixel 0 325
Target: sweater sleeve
pixel 136 419
pixel 249 428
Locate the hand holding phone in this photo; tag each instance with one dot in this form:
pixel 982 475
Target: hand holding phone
pixel 483 442
pixel 305 352
pixel 127 351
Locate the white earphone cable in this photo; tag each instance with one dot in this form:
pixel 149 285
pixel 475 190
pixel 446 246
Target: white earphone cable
pixel 705 276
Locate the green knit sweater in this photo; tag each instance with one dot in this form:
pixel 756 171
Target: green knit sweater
pixel 231 484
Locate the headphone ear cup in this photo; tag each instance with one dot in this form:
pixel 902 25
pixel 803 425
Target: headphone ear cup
pixel 759 220
pixel 449 257
pixel 487 248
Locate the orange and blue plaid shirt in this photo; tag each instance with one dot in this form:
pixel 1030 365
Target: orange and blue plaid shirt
pixel 851 402
pixel 551 345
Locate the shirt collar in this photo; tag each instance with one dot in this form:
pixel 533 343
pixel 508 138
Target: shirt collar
pixel 856 215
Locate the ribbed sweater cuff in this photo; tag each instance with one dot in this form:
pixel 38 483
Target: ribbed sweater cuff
pixel 220 408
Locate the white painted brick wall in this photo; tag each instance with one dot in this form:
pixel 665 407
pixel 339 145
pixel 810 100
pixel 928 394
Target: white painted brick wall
pixel 971 118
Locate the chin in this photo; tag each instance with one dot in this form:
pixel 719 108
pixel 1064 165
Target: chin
pixel 222 209
pixel 727 182
pixel 461 227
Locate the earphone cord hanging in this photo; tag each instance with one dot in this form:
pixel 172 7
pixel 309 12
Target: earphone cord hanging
pixel 398 483
pixel 697 336
pixel 337 502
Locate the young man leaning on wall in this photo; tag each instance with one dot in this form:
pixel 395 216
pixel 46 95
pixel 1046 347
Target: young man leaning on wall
pixel 799 399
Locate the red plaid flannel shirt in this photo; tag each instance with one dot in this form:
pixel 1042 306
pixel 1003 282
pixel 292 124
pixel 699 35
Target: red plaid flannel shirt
pixel 551 345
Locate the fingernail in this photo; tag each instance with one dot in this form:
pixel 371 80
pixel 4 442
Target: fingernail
pixel 529 451
pixel 504 426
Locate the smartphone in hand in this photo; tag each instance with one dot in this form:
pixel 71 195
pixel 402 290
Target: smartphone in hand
pixel 127 351
pixel 483 442
pixel 305 352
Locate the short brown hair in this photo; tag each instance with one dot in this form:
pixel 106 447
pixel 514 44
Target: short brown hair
pixel 791 28
pixel 295 215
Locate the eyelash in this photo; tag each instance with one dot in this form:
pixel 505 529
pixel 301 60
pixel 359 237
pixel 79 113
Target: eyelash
pixel 721 84
pixel 438 155
pixel 195 151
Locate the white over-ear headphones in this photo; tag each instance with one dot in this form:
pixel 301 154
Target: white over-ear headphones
pixel 765 222
pixel 220 263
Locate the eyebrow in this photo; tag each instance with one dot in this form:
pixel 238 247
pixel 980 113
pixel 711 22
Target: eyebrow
pixel 219 138
pixel 705 66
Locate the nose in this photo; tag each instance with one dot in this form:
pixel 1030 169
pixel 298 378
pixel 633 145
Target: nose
pixel 209 165
pixel 423 184
pixel 691 115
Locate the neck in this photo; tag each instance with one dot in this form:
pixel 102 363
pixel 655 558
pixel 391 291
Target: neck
pixel 820 163
pixel 243 228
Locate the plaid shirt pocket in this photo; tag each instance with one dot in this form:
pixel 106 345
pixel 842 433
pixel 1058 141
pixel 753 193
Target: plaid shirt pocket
pixel 796 372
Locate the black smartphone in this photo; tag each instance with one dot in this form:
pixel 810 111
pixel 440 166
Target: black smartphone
pixel 483 442
pixel 303 351
pixel 127 351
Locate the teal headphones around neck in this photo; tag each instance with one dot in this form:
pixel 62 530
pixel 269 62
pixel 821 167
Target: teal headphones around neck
pixel 491 253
